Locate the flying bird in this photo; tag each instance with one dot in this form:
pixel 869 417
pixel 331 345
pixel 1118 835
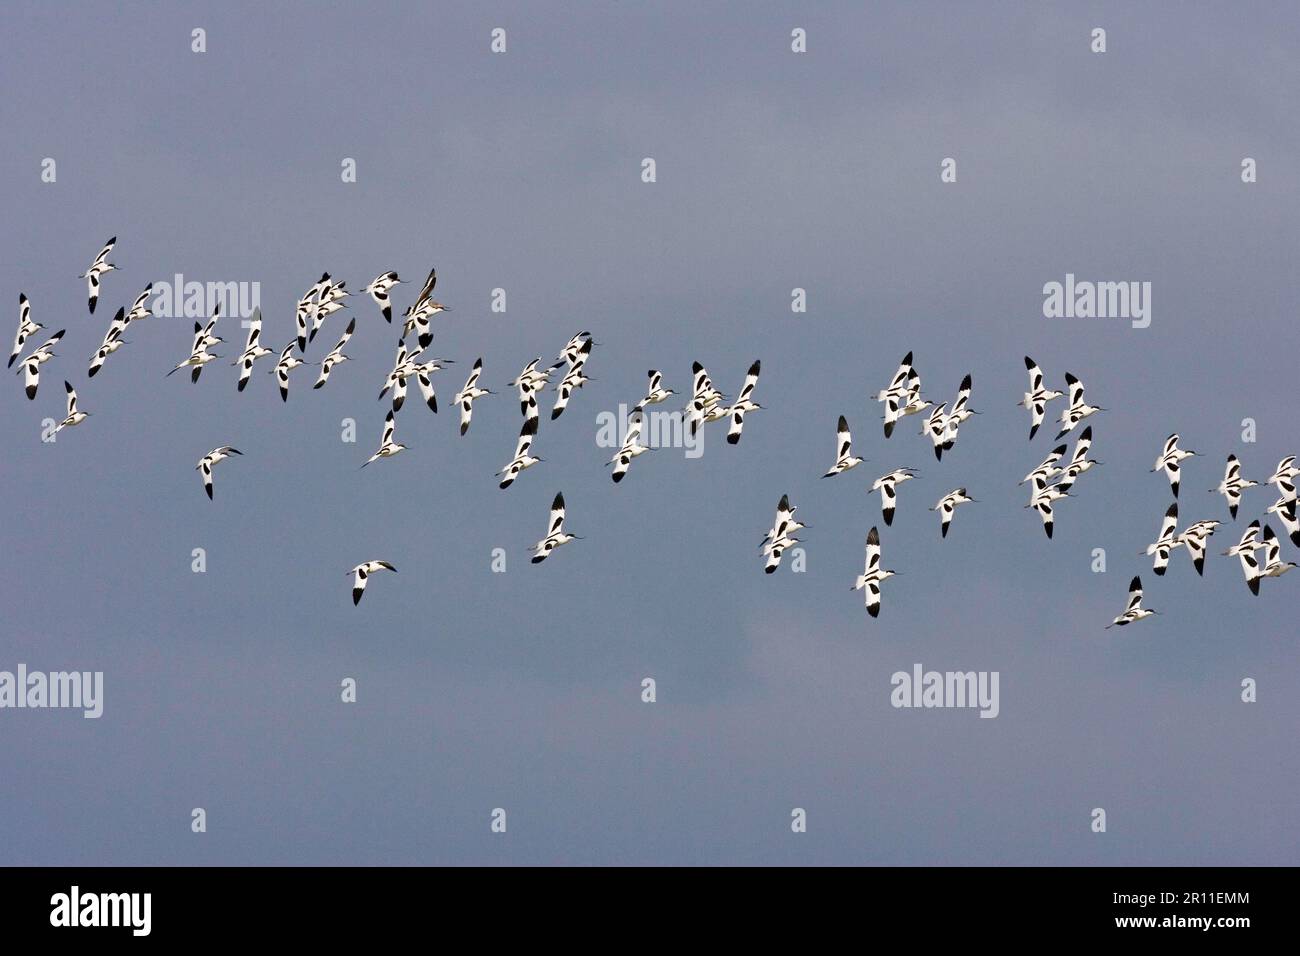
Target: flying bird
pixel 335 356
pixel 1047 470
pixel 1043 501
pixel 1079 461
pixel 1274 566
pixel 112 342
pixel 378 290
pixel 887 485
pixel 961 411
pixel 1285 509
pixel 872 576
pixel 466 397
pixel 97 268
pixel 575 350
pixel 1170 459
pixel 204 467
pixel 422 311
pixel 31 366
pixel 654 393
pixel 573 380
pixel 947 505
pixel 1245 550
pixel 936 429
pixel 895 396
pixel 631 447
pixel 555 534
pixel 286 364
pixel 522 459
pixel 744 404
pixel 1135 611
pixel 1194 538
pixel 844 457
pixel 781 536
pixel 1166 541
pixel 361 574
pixel 387 447
pixel 26 328
pixel 253 349
pixel 1078 409
pixel 1036 399
pixel 1233 485
pixel 75 417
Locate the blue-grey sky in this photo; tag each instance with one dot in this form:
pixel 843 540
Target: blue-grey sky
pixel 521 690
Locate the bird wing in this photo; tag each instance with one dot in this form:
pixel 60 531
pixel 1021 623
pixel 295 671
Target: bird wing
pixel 557 516
pixel 1134 594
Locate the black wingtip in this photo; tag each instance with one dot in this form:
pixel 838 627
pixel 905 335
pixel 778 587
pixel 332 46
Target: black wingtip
pixel 1048 529
pixel 208 489
pixel 1032 432
pixel 539 559
pixel 769 569
pixel 733 439
pixel 1253 584
pixel 1160 572
pixel 874 610
pixel 889 518
pixel 1029 363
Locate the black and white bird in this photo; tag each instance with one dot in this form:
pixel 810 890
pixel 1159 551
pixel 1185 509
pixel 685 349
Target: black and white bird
pixel 99 267
pixel 75 416
pixel 575 351
pixel 1194 538
pixel 140 308
pixel 555 533
pixel 887 485
pixel 335 357
pixel 895 396
pixel 844 457
pixel 466 397
pixel 707 403
pixel 1284 477
pixel 631 447
pixel 378 290
pixel 961 412
pixel 361 574
pixel 253 349
pixel 873 574
pixel 1274 566
pixel 655 393
pixel 204 467
pixel 1079 461
pixel 195 363
pixel 947 505
pixel 420 314
pixel 529 382
pixel 1285 509
pixel 387 446
pixel 1233 485
pixel 112 342
pixel 26 328
pixel 1170 461
pixel 1078 409
pixel 1047 470
pixel 1245 550
pixel 936 429
pixel 1043 501
pixel 1036 399
pixel 424 379
pixel 31 365
pixel 913 402
pixel 1166 541
pixel 573 379
pixel 781 535
pixel 744 404
pixel 523 459
pixel 1135 611
pixel 286 364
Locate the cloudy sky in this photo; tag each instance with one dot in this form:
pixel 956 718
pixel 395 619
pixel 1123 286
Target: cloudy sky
pixel 521 690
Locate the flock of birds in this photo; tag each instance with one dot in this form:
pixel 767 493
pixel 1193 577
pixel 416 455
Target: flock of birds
pixel 1051 482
